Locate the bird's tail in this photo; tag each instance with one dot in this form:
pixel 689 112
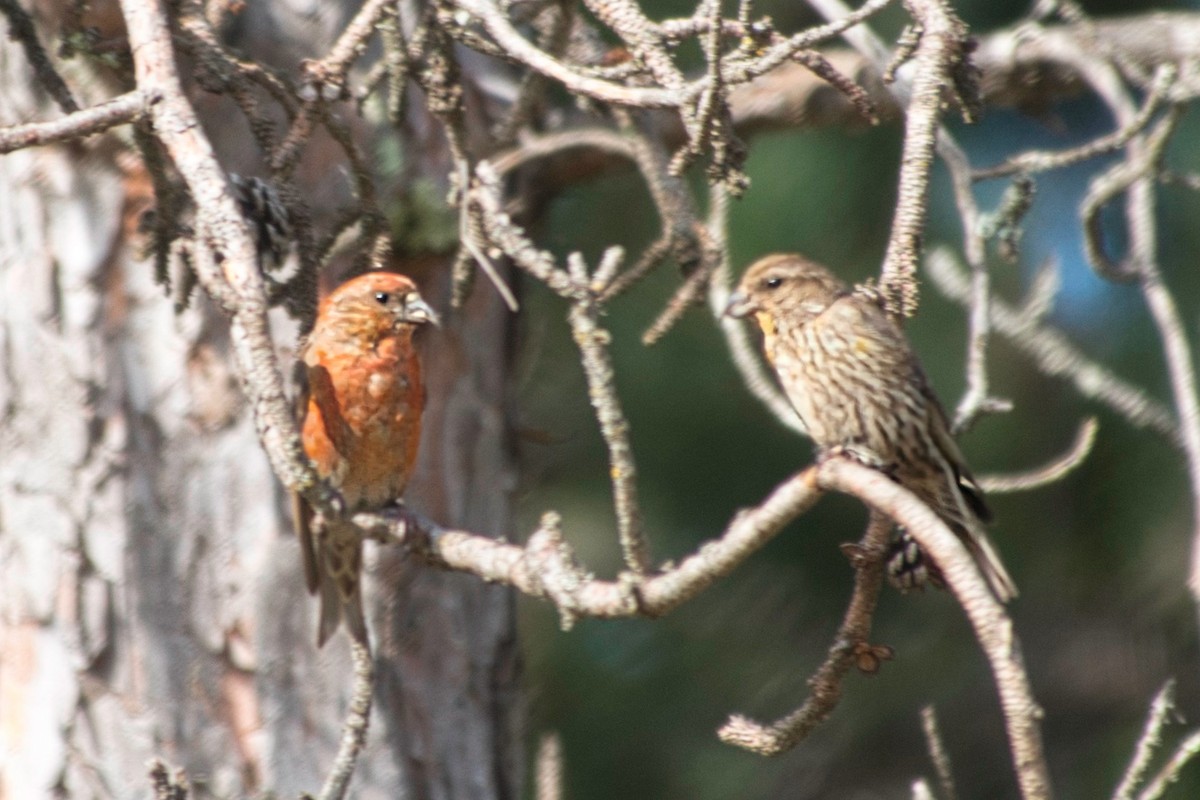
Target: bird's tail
pixel 908 567
pixel 339 583
pixel 988 561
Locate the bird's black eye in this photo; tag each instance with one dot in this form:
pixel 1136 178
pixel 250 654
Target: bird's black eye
pixel 773 283
pixel 382 298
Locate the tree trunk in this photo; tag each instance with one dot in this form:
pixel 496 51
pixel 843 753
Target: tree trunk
pixel 150 586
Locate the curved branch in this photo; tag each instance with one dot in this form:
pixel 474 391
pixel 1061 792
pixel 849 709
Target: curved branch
pixel 849 646
pixel 991 622
pixel 1055 355
pixel 1085 437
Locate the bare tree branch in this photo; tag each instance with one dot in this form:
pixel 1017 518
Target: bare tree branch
pixel 1085 437
pixel 546 566
pixel 850 647
pixel 993 627
pixel 593 347
pixel 548 769
pixel 354 730
pixel 1055 355
pixel 1034 161
pixel 1136 179
pixel 937 753
pixel 1183 755
pixel 129 107
pixel 1148 742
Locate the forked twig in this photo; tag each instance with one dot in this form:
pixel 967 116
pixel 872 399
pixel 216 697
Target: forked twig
pixel 993 627
pixel 849 646
pixel 1148 742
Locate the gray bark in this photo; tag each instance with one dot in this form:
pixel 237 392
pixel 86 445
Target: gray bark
pixel 151 602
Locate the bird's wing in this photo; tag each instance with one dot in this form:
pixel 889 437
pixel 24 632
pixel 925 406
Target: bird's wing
pixel 302 513
pixel 940 426
pixel 324 397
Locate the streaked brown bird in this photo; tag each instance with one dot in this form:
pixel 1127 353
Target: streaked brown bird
pixel 361 426
pixel 855 382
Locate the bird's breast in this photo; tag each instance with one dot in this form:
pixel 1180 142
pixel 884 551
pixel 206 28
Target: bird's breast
pixel 380 398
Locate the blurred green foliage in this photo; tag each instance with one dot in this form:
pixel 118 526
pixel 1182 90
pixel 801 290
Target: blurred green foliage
pixel 1101 557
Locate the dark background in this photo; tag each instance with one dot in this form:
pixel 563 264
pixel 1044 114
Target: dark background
pixel 1101 558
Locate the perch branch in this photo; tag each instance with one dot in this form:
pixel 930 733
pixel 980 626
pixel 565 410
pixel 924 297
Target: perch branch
pixel 546 567
pixel 992 625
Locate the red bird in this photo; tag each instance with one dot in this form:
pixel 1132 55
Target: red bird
pixel 361 426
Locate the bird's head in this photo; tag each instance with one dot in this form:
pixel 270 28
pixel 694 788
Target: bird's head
pixel 785 286
pixel 386 299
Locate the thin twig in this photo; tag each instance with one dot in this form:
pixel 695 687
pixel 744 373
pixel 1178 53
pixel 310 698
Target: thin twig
pixel 127 108
pixel 354 729
pixel 848 645
pixel 20 27
pixel 593 341
pixel 977 398
pixel 1160 708
pixel 548 769
pixel 1056 470
pixel 690 293
pixel 1184 754
pixel 938 754
pixel 1056 356
pixel 737 337
pixel 1034 161
pixel 1134 179
pixel 940 49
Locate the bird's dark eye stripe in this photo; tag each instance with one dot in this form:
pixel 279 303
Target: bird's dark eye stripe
pixel 382 298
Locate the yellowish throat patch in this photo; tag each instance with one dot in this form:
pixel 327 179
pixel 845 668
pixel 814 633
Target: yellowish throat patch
pixel 766 322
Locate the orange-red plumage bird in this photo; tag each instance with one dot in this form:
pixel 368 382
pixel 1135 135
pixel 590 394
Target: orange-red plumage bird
pixel 361 426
